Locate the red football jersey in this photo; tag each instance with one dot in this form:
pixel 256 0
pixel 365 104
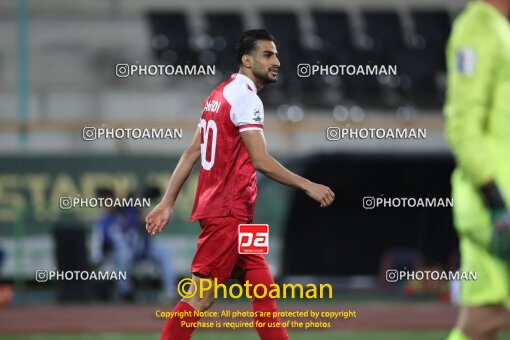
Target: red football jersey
pixel 227 184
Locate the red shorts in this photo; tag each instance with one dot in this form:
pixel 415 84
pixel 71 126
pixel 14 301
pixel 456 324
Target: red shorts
pixel 217 253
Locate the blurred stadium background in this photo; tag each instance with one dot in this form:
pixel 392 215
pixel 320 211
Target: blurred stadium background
pixel 57 76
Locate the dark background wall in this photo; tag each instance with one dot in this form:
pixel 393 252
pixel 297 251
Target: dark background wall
pixel 350 240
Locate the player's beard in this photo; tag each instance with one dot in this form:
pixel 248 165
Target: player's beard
pixel 263 76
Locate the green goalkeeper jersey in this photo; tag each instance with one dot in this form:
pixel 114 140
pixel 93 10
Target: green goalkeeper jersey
pixel 477 109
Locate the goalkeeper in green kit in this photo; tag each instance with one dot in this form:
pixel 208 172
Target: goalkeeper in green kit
pixel 477 114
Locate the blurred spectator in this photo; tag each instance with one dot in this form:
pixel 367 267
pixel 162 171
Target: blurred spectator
pixel 6 290
pixel 157 252
pixel 2 255
pixel 118 237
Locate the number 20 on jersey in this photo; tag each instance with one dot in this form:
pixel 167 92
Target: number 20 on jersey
pixel 208 137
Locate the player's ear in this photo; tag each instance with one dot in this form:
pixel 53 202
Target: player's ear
pixel 246 60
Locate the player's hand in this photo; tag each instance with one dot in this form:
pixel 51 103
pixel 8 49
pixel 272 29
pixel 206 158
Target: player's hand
pixel 321 194
pixel 500 241
pixel 158 218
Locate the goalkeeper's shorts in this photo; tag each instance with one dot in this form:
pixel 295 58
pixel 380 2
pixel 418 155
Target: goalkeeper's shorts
pixel 492 284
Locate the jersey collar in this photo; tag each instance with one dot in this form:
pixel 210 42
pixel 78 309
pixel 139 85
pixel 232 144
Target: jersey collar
pixel 249 83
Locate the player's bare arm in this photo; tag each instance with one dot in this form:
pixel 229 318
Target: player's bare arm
pixel 159 217
pixel 255 143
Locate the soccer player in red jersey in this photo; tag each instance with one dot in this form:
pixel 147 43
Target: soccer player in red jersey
pixel 231 144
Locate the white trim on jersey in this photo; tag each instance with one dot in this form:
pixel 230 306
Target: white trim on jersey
pixel 246 106
pixel 247 80
pixel 250 128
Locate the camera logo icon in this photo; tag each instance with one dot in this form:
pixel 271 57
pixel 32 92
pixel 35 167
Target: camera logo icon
pixel 392 275
pixel 333 133
pixel 65 203
pixel 41 275
pixel 89 133
pixel 304 70
pixel 122 70
pixel 368 202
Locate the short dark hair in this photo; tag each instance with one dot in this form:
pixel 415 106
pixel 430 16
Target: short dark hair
pixel 247 41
